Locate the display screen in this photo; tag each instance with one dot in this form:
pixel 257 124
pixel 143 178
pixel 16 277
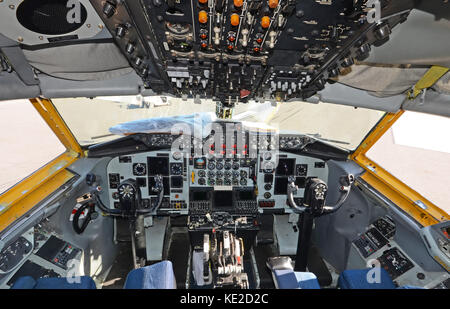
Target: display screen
pixel 280 185
pixel 300 182
pixel 176 182
pixel 158 166
pixel 246 195
pixel 200 196
pixel 223 199
pixel 285 167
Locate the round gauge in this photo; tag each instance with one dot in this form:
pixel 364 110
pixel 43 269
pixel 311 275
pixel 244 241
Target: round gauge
pixel 211 166
pixel 267 186
pixel 139 169
pixel 243 182
pixel 177 155
pixel 227 174
pixel 219 182
pixel 199 163
pixel 243 174
pixel 227 182
pixel 219 174
pixel 219 160
pixel 176 169
pixel 235 166
pixel 267 156
pixel 154 140
pixel 211 174
pixel 235 174
pixel 201 181
pixel 267 195
pixel 227 165
pixel 201 173
pixel 219 166
pixel 268 167
pixel 235 182
pixel 115 195
pixel 211 182
pixel 282 143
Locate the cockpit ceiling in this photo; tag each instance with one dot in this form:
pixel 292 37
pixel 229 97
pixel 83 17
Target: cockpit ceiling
pixel 97 65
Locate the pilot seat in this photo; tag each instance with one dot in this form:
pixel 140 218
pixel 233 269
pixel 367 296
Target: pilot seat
pixel 156 276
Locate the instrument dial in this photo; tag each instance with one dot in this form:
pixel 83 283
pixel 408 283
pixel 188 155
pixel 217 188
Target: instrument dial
pixel 177 155
pixel 219 166
pixel 201 173
pixel 139 169
pixel 176 168
pixel 211 166
pixel 267 156
pixel 268 167
pixel 201 181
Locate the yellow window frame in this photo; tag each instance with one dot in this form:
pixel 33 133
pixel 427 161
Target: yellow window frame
pixel 394 189
pixel 21 198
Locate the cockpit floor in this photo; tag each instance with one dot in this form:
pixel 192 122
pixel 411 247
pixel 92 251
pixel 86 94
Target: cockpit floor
pixel 178 254
pixel 120 268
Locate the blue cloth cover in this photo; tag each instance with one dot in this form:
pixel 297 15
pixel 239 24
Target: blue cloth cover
pixel 156 276
pixel 288 279
pixel 357 279
pixel 28 282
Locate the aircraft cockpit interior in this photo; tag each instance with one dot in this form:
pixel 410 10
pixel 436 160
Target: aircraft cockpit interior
pixel 222 144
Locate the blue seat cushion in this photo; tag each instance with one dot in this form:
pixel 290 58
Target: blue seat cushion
pixel 156 276
pixel 288 279
pixel 28 282
pixel 361 279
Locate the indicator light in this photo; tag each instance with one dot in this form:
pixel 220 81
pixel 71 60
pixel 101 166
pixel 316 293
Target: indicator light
pixel 265 22
pixel 234 19
pixel 202 17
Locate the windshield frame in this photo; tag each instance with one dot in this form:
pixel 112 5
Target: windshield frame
pixel 245 107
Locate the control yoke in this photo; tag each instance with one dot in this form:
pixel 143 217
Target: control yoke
pixel 313 206
pixel 315 195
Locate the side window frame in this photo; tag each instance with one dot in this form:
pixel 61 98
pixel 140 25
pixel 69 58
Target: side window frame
pixel 33 189
pixel 416 205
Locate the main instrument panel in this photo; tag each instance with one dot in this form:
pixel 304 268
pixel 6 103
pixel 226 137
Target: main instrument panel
pixel 236 50
pixel 223 178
